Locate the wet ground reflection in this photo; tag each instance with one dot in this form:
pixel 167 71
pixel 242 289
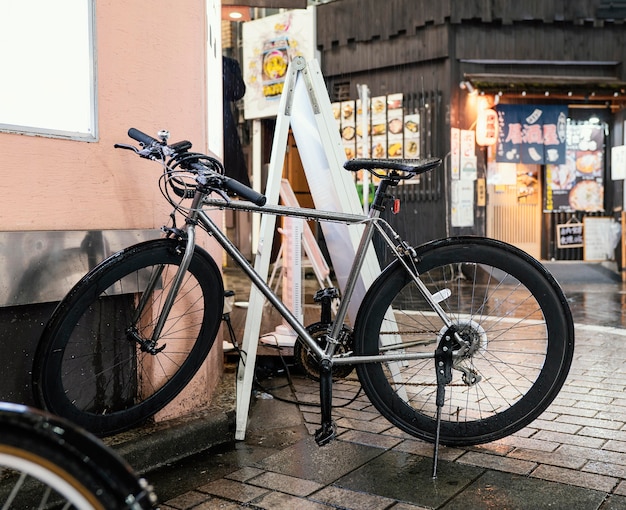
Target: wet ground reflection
pixel 601 304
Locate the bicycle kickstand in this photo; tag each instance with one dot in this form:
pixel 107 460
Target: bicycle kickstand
pixel 328 429
pixel 443 368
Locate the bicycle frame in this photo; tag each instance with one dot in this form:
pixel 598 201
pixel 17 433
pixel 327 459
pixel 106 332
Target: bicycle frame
pixel 371 222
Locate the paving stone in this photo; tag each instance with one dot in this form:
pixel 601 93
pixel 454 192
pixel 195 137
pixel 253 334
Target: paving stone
pixel 280 501
pixel 496 490
pixel 535 443
pixel 555 426
pixel 548 457
pixel 590 422
pixel 233 490
pixel 616 446
pixel 592 453
pixel 603 468
pixel 574 477
pixel 244 474
pixel 604 433
pixel 285 483
pixel 343 498
pixel 614 503
pixel 425 449
pixel 366 438
pixel 365 426
pixel 621 488
pixel 559 438
pixel 325 464
pixel 408 478
pixel 507 464
pixel 219 504
pixel 187 500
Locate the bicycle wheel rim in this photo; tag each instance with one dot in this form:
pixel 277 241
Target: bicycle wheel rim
pixel 56 483
pixel 48 462
pixel 93 375
pixel 522 349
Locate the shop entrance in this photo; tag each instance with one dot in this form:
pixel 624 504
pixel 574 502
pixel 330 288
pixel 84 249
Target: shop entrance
pixel 514 206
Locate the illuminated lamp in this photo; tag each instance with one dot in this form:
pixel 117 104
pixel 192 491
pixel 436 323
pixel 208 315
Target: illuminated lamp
pixel 486 127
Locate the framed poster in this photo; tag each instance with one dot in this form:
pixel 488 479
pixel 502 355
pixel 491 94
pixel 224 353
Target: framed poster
pixel 269 45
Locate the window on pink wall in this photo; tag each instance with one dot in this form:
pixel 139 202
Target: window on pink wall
pixel 48 76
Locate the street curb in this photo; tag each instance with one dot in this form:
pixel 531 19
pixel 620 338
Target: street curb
pixel 150 449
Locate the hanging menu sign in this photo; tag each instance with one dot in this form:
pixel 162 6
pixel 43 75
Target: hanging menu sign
pixel 531 134
pixel 569 235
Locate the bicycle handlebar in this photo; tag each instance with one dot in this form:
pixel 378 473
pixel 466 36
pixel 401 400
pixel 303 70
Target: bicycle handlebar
pixel 142 137
pixel 153 147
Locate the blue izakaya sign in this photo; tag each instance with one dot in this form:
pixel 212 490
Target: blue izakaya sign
pixel 531 134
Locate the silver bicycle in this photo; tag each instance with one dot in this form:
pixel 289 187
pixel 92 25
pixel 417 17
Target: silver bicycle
pixel 459 341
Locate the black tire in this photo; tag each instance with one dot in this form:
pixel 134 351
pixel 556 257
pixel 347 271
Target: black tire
pixel 504 302
pixel 89 368
pixel 46 462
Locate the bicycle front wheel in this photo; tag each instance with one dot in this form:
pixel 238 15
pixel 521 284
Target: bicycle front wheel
pixel 96 364
pixel 46 462
pixel 509 310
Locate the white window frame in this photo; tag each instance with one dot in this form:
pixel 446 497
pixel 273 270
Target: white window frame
pixel 61 93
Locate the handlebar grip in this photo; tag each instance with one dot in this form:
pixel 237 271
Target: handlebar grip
pixel 244 191
pixel 141 137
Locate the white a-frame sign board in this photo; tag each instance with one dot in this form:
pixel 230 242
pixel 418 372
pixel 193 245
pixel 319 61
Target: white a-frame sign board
pixel 305 106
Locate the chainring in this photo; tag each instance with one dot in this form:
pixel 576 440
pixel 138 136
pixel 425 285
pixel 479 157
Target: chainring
pixel 306 360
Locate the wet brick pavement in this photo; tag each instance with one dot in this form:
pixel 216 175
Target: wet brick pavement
pixel 572 457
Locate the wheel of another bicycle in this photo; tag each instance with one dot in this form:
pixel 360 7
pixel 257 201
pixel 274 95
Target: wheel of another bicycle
pixel 509 310
pixel 89 366
pixel 47 462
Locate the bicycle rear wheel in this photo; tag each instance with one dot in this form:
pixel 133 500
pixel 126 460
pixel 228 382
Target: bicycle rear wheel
pixel 90 365
pixel 46 462
pixel 504 303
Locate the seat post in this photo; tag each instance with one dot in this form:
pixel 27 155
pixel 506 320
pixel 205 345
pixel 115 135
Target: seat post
pixel 381 195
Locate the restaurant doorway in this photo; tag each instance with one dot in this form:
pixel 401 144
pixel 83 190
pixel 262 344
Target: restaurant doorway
pixel 514 207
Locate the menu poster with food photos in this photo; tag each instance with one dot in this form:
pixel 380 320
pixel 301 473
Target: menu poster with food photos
pixel 379 127
pixel 412 135
pixel 348 128
pixel 578 185
pixel 395 126
pixel 392 134
pixel 362 115
pixel 531 134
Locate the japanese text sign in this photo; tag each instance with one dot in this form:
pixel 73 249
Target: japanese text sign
pixel 531 134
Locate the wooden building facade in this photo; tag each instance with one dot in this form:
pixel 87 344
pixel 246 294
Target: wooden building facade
pixel 446 56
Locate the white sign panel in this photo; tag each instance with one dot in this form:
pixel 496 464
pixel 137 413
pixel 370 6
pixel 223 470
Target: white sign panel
pixel 269 45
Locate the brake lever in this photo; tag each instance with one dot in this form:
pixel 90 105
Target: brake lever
pixel 147 152
pixel 126 147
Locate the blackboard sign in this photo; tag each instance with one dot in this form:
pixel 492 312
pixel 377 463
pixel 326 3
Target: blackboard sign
pixel 569 235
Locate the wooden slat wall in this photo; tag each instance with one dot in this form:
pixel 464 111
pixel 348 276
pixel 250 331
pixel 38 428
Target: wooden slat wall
pixel 384 19
pixel 554 43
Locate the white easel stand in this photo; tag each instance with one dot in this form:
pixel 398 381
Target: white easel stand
pixel 332 189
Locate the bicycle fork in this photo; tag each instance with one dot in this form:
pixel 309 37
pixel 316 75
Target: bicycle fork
pixel 150 346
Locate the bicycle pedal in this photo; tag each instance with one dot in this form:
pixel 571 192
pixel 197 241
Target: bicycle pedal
pixel 326 433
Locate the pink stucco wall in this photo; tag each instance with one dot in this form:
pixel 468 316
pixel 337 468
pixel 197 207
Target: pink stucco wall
pixel 151 74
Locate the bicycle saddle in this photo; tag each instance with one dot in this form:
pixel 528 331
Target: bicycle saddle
pixel 414 166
